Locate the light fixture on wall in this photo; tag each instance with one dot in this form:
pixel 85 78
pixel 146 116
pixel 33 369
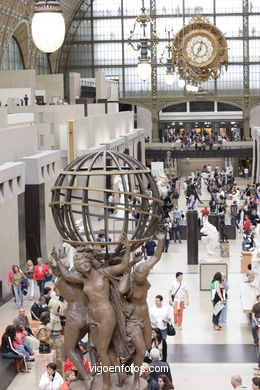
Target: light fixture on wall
pixel 48 26
pixel 170 76
pixel 144 61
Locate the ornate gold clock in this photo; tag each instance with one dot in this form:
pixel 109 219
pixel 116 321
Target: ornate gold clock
pixel 199 51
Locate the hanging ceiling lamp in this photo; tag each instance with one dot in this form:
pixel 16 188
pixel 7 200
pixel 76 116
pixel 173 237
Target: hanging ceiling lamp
pixel 144 67
pixel 48 26
pixel 170 76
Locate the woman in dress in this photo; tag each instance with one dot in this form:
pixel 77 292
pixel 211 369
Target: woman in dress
pixel 216 297
pixel 18 275
pixel 29 274
pixel 164 383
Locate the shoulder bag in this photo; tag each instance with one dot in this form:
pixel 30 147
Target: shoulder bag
pixel 170 329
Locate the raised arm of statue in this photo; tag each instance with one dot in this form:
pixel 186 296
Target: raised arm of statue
pixel 136 259
pixel 122 267
pixel 70 276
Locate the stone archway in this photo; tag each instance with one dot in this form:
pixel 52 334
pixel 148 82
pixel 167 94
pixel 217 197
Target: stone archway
pixel 21 35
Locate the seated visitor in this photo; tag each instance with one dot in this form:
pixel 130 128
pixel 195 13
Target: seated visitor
pixel 22 345
pixel 38 308
pixel 9 351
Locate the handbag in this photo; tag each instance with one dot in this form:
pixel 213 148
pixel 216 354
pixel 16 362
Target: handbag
pixel 170 329
pixel 48 278
pixel 217 308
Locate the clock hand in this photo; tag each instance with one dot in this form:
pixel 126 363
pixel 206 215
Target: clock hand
pixel 199 49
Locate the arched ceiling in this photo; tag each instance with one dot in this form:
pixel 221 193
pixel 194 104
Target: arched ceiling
pixel 15 19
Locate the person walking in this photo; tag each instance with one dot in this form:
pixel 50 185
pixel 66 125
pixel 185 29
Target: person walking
pixel 146 374
pixel 149 248
pixel 17 277
pixel 255 324
pixel 224 288
pixel 236 382
pixel 167 227
pixel 40 272
pixel 158 367
pixel 175 230
pixel 255 383
pixel 29 271
pixel 177 295
pixel 164 383
pixel 160 316
pixel 216 297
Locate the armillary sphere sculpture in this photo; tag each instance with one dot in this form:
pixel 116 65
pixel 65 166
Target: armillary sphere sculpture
pixel 102 195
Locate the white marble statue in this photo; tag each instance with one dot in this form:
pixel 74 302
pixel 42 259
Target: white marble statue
pixel 211 239
pixel 118 186
pixel 169 160
pixel 204 186
pixel 162 183
pixel 68 254
pixel 256 259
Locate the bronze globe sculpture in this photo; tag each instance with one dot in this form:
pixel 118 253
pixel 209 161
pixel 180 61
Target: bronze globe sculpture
pixel 102 195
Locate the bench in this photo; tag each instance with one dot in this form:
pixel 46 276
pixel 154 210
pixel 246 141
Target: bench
pixel 248 297
pixel 7 372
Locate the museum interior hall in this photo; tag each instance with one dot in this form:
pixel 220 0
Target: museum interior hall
pixel 129 194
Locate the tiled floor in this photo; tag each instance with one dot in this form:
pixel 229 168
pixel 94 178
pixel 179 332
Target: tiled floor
pixel 200 357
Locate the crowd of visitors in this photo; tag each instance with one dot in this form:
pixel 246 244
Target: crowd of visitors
pixel 199 141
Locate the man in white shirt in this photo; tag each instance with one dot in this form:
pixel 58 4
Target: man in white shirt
pixel 177 295
pixel 160 315
pixel 236 382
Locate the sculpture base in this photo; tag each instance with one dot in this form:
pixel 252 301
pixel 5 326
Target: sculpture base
pixel 211 260
pixel 41 361
pixel 98 382
pixel 224 249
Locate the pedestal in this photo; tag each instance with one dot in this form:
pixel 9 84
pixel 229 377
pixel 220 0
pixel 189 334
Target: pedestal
pixel 207 271
pixel 41 361
pixel 246 259
pixel 56 343
pixel 224 249
pixel 192 236
pixel 98 381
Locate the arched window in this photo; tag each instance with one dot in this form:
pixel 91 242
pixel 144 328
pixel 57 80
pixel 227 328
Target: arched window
pixel 13 59
pixel 43 64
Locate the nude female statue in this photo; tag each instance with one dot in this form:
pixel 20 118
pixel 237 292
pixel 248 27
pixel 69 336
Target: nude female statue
pixel 138 326
pixel 78 322
pixel 95 284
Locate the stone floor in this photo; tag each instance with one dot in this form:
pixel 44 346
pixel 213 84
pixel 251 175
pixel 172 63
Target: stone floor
pixel 200 357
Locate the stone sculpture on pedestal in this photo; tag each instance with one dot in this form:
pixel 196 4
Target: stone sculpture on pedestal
pixel 43 333
pixel 211 239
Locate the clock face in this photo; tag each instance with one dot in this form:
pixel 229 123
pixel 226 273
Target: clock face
pixel 199 49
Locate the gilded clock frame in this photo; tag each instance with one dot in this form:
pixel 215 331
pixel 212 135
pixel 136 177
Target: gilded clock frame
pixel 190 70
